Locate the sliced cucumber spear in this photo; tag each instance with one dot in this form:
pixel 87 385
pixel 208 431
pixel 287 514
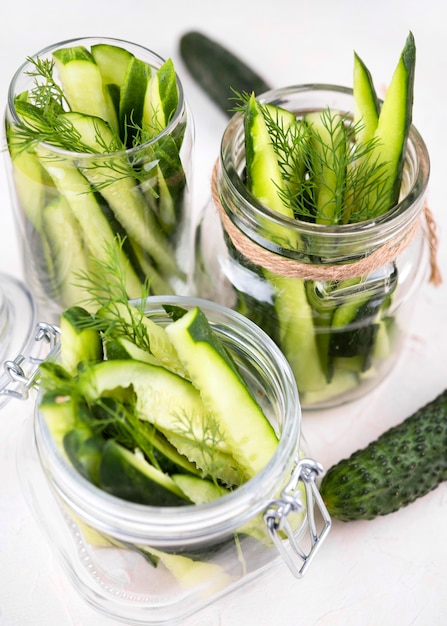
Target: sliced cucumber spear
pixel 366 103
pixel 113 179
pixel 79 341
pixel 224 392
pixel 132 96
pixel 395 120
pixel 82 83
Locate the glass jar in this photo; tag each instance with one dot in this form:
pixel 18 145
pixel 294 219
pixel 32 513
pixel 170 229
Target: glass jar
pixel 130 194
pixel 108 546
pixel 338 300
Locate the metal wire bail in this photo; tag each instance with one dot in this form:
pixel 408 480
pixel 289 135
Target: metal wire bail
pixel 21 373
pixel 277 517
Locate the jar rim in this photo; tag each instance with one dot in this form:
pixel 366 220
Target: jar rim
pixel 154 56
pixel 188 524
pixel 399 211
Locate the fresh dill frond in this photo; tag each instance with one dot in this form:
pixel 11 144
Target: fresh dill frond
pixel 328 175
pixel 105 284
pixel 117 419
pixel 47 95
pixel 206 437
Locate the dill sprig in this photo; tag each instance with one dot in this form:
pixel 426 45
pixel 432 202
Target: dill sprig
pixel 123 316
pixel 205 437
pixel 328 174
pixel 41 110
pixel 47 94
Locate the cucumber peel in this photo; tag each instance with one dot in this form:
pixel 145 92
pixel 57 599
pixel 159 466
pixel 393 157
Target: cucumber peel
pixel 403 464
pixel 214 374
pixel 79 343
pixel 395 120
pixel 218 70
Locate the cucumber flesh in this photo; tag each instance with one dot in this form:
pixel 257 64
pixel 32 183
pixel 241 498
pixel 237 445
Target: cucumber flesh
pixel 264 177
pixel 82 84
pixel 329 168
pixel 60 415
pixel 164 399
pixel 199 490
pixel 224 392
pixel 395 120
pixel 153 337
pixel 112 61
pixel 211 459
pixel 114 181
pixel 297 335
pixel 96 231
pixel 366 102
pixel 161 99
pixel 123 348
pixel 62 234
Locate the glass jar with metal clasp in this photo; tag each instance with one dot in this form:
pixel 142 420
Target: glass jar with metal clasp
pixel 152 565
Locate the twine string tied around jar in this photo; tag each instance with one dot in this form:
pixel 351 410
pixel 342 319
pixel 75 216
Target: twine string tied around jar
pixel 296 269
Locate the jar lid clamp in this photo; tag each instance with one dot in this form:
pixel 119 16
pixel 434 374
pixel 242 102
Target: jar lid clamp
pixel 277 520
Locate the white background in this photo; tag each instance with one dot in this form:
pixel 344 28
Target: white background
pixel 391 571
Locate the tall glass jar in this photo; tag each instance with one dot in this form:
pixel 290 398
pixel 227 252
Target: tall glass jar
pixel 154 565
pixel 86 175
pixel 338 301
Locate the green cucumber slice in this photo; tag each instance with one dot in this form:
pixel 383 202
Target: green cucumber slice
pixel 395 120
pixel 163 398
pixel 132 95
pixel 161 98
pixel 329 166
pixel 127 475
pixel 112 61
pixel 113 178
pixel 366 102
pixel 224 392
pixel 79 341
pixel 297 336
pixel 60 414
pixel 151 337
pixel 198 490
pixel 82 83
pixel 264 176
pixel 96 231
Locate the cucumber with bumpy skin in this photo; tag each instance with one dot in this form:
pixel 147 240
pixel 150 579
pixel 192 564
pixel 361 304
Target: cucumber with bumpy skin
pixel 403 464
pixel 217 70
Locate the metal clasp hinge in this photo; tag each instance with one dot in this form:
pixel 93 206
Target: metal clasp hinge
pixel 277 518
pixel 21 373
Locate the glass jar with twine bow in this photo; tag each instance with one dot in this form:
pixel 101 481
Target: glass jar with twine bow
pixel 337 299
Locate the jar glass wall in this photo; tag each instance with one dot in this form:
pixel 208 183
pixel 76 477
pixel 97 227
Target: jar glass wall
pixel 148 564
pixel 83 184
pixel 336 299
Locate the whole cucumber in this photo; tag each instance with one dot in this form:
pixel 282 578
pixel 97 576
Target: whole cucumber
pixel 218 71
pixel 403 464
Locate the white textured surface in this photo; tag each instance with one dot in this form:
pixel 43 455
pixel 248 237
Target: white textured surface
pixel 391 571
